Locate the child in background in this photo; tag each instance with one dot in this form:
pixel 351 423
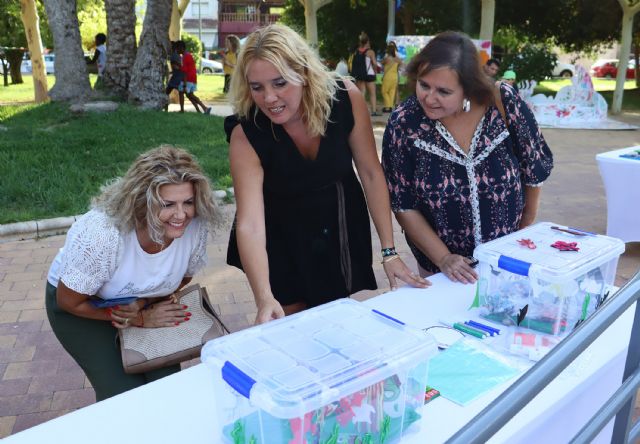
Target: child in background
pixel 177 76
pixel 189 85
pixel 510 78
pixel 99 57
pixel 232 45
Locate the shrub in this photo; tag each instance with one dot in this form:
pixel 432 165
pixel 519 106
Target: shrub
pixel 532 62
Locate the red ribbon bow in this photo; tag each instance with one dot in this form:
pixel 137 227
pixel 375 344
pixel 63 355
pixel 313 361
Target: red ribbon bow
pixel 527 243
pixel 566 246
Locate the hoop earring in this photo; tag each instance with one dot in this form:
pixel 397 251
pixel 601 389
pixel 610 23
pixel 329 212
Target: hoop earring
pixel 466 105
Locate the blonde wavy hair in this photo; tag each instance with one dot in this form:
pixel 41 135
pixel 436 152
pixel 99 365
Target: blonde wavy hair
pixel 297 62
pixel 133 201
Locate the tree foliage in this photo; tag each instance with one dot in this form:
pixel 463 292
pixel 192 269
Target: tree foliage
pixel 11 27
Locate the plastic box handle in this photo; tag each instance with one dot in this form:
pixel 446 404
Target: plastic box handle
pixel 237 379
pixel 514 265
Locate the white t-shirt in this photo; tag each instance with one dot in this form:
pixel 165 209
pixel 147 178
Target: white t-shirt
pixel 99 260
pixel 102 58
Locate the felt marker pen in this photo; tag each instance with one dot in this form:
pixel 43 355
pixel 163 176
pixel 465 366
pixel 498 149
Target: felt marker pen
pixel 484 327
pixel 478 327
pixel 469 330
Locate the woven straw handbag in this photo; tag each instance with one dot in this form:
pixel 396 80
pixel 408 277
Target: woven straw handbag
pixel 145 349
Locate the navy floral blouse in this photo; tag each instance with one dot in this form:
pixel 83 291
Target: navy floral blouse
pixel 469 198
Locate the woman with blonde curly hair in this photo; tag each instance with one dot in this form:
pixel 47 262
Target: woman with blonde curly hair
pixel 302 232
pixel 144 238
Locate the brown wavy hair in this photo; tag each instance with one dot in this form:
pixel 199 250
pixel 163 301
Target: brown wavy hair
pixel 456 51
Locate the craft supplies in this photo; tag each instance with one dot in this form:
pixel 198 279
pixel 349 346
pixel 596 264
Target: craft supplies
pixel 545 289
pixel 340 372
pixel 527 243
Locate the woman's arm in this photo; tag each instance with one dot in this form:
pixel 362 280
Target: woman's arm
pixel 365 157
pixel 248 177
pixel 423 236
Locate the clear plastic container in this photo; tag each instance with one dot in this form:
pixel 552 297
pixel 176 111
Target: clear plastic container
pixel 340 372
pixel 549 290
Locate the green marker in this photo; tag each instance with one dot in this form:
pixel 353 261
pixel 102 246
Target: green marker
pixel 469 330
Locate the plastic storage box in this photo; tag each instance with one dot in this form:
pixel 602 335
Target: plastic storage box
pixel 548 290
pixel 337 373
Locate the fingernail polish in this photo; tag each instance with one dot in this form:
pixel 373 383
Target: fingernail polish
pixel 187 314
pixel 186 319
pixel 184 307
pixel 177 323
pixel 116 307
pixel 109 311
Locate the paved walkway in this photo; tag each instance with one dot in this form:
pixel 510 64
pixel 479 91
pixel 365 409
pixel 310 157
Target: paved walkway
pixel 39 381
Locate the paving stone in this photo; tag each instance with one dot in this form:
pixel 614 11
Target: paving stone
pixel 26 276
pixel 28 285
pixel 17 370
pixel 26 421
pixel 20 327
pixel 12 295
pixel 220 298
pixel 7 341
pixel 26 304
pixel 37 338
pixel 17 354
pixel 6 425
pixel 67 380
pixel 73 399
pixel 9 316
pixel 49 352
pixel 243 296
pixel 37 262
pixel 32 315
pixel 20 404
pixel 238 307
pixel 13 387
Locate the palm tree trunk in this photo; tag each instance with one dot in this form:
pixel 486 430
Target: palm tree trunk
pixel 121 46
pixel 150 68
pixel 72 80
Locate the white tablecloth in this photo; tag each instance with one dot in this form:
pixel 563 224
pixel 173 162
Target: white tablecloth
pixel 621 179
pixel 182 409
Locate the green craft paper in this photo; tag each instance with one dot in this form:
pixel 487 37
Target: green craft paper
pixel 463 372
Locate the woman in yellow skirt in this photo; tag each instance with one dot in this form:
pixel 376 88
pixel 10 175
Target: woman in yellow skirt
pixel 391 64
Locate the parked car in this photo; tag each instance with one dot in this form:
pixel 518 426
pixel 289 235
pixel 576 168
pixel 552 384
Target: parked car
pixel 566 70
pixel 609 69
pixel 210 66
pixel 49 60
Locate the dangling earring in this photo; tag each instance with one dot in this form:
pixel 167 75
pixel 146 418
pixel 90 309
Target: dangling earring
pixel 466 105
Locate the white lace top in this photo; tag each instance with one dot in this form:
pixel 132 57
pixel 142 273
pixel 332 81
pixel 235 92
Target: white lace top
pixel 99 260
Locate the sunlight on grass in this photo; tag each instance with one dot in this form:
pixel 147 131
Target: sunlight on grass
pixel 209 89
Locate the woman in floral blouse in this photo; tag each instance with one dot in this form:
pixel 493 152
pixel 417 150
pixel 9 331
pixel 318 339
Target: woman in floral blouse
pixel 458 174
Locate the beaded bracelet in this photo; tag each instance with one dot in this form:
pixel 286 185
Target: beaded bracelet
pixel 389 252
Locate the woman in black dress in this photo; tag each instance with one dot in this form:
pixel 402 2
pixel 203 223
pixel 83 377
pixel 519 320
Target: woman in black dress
pixel 302 232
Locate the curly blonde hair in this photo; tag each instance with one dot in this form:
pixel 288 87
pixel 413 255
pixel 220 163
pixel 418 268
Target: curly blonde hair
pixel 297 62
pixel 133 201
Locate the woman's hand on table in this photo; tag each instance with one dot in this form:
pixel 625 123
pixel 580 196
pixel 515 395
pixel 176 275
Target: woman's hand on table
pixel 166 313
pixel 397 269
pixel 458 268
pixel 268 309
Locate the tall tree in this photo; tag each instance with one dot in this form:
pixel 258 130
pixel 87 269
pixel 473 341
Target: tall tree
pixel 177 11
pixel 31 21
pixel 121 24
pixel 72 80
pixel 150 67
pixel 310 18
pixel 629 9
pixel 487 18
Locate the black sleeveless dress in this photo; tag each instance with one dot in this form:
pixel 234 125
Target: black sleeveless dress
pixel 317 222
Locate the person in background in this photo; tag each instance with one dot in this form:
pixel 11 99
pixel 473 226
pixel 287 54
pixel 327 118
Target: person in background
pixel 391 63
pixel 302 231
pixel 99 57
pixel 458 173
pixel 363 70
pixel 232 45
pixel 189 85
pixel 145 237
pixel 509 77
pixel 177 75
pixel 491 68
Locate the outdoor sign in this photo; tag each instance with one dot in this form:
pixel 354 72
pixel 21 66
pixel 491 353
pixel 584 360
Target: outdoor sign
pixel 410 45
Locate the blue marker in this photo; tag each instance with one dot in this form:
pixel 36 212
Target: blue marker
pixel 484 327
pixel 481 328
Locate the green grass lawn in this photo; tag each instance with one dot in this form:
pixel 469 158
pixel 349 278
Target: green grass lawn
pixel 209 89
pixel 53 161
